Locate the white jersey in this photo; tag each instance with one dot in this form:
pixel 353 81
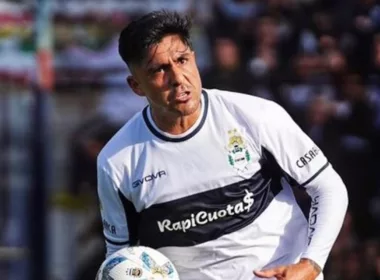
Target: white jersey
pixel 215 200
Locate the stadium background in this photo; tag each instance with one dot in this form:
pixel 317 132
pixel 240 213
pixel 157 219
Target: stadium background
pixel 320 59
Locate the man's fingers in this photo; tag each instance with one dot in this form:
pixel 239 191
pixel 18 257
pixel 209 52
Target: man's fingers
pixel 265 273
pixel 268 273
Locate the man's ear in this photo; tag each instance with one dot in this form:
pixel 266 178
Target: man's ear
pixel 134 86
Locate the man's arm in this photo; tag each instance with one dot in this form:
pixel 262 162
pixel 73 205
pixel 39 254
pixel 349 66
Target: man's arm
pixel 305 163
pixel 328 208
pixel 118 228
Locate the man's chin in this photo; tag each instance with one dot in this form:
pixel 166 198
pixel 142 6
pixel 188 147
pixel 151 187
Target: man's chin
pixel 187 109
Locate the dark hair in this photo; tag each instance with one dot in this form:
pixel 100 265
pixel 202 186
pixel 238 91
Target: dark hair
pixel 147 31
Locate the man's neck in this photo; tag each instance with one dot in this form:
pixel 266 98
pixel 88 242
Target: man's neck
pixel 175 124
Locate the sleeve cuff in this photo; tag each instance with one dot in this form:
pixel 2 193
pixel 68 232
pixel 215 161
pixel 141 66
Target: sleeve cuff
pixel 315 175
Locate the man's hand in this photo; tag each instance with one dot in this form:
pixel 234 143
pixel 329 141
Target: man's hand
pixel 305 269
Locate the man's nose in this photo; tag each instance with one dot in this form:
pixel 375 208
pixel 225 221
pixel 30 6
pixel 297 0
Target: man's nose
pixel 176 77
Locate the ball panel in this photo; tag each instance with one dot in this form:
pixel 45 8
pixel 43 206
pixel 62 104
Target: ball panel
pixel 137 262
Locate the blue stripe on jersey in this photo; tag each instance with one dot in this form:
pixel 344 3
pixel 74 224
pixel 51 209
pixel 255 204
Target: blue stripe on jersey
pixel 315 175
pixel 206 216
pixel 132 219
pixel 116 243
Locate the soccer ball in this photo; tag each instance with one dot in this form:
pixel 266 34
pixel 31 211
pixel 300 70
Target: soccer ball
pixel 137 262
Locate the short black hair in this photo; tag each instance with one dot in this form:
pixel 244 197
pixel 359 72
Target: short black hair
pixel 141 34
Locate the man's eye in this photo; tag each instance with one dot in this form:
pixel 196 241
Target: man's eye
pixel 159 70
pixel 182 60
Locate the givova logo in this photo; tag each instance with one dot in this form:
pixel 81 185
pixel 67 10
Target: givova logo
pixel 148 178
pixel 203 217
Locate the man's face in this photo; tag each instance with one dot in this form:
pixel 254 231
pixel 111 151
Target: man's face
pixel 169 78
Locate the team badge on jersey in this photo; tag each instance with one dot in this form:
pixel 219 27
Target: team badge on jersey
pixel 238 154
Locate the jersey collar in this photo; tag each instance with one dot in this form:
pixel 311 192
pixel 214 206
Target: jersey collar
pixel 185 136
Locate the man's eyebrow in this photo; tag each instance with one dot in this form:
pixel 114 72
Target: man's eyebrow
pixel 153 66
pixel 187 50
pixel 179 53
pixel 151 57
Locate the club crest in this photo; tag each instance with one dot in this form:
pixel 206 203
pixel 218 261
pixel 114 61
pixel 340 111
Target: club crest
pixel 238 154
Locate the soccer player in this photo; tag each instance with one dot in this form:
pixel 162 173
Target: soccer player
pixel 205 175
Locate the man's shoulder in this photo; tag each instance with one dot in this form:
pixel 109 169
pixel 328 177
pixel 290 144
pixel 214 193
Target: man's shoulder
pixel 234 97
pixel 122 143
pixel 254 106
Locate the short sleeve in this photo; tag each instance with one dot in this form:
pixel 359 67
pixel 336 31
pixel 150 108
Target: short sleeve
pixel 119 224
pixel 293 150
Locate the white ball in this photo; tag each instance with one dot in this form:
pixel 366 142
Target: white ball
pixel 137 263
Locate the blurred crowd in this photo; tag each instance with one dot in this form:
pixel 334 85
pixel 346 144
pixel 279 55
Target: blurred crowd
pixel 319 59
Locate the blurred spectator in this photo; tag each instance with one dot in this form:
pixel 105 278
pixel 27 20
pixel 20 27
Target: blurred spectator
pixel 116 107
pixel 228 72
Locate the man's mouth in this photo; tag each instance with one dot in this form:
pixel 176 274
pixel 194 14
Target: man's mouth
pixel 182 96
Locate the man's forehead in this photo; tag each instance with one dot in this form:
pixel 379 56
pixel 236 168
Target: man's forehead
pixel 171 43
pixel 168 47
